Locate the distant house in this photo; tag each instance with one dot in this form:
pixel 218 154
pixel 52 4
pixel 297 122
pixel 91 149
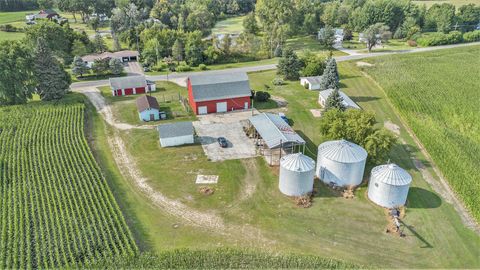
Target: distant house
pixel 311 83
pixel 338 34
pixel 124 56
pixel 219 93
pixel 175 134
pixel 48 14
pixel 148 108
pixel 347 102
pixel 131 85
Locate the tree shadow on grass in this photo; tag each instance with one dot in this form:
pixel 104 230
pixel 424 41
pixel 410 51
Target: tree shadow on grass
pixel 363 99
pixel 422 198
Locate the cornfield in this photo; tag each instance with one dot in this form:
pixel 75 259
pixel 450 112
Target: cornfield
pixel 56 209
pixel 437 93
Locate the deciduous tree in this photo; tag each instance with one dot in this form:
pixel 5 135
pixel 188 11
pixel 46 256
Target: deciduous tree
pixel 16 73
pixel 116 66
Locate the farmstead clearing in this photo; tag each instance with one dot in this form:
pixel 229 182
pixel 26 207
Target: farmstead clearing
pixel 333 227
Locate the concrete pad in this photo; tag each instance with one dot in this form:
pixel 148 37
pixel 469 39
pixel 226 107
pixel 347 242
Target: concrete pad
pixel 239 145
pixel 206 179
pixel 316 112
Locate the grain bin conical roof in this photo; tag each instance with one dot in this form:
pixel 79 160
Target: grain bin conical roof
pixel 297 162
pixel 342 151
pixel 392 174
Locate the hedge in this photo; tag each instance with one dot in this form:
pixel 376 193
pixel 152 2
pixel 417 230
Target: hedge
pixel 471 36
pixel 436 39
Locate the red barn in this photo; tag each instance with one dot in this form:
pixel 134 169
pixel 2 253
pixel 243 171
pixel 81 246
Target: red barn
pixel 131 85
pixel 219 93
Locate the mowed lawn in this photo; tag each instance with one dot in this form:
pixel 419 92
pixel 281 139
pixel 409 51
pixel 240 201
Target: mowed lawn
pixel 352 230
pixel 437 94
pixel 233 25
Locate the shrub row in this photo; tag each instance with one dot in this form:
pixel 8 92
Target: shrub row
pixel 453 37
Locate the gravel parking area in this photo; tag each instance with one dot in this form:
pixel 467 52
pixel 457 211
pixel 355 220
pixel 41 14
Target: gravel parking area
pixel 229 125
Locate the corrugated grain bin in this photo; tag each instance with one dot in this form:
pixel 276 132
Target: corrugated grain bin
pixel 296 174
pixel 388 186
pixel 341 162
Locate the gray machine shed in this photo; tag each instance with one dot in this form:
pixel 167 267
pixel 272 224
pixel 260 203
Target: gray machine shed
pixel 275 131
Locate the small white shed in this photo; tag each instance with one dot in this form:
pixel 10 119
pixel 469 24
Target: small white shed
pixel 311 83
pixel 347 101
pixel 174 134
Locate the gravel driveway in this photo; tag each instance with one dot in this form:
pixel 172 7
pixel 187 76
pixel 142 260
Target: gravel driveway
pixel 229 125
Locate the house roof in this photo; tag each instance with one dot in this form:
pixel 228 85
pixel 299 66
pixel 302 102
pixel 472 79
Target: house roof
pixel 274 130
pixel 219 86
pixel 347 101
pixel 312 79
pixel 128 82
pixel 119 54
pixel 147 102
pixel 175 129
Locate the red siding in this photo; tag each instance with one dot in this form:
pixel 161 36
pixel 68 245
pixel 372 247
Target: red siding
pixel 232 104
pixel 140 90
pixel 118 92
pixel 128 91
pixel 190 97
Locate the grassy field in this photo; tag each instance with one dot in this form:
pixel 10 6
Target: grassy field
pixel 441 105
pixel 457 3
pixel 352 230
pixel 14 16
pixel 167 95
pixel 56 208
pixel 233 25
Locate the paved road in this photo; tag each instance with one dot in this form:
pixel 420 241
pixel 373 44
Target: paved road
pixel 179 76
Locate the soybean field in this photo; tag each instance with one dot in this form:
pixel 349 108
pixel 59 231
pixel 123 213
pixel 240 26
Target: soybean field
pixel 438 94
pixel 56 209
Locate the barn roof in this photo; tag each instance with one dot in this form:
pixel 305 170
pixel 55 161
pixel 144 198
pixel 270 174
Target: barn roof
pixel 347 101
pixel 219 86
pixel 274 130
pixel 128 82
pixel 147 102
pixel 177 129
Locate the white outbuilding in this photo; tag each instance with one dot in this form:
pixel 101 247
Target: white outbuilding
pixel 347 101
pixel 296 174
pixel 311 83
pixel 341 163
pixel 388 186
pixel 175 134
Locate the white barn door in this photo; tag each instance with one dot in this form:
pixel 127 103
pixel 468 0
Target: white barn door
pixel 221 107
pixel 202 110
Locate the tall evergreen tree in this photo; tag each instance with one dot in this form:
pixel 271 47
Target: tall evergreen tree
pixel 79 67
pixel 52 80
pixel 335 100
pixel 177 50
pixel 330 78
pixel 289 65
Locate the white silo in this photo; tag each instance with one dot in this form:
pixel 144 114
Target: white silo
pixel 296 174
pixel 341 162
pixel 388 186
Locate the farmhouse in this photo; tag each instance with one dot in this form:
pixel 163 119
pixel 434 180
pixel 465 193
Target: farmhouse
pixel 124 56
pixel 219 93
pixel 347 102
pixel 311 83
pixel 131 85
pixel 175 134
pixel 148 108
